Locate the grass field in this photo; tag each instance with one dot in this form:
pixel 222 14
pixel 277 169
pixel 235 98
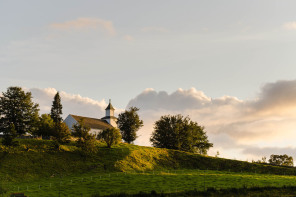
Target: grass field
pixel 132 182
pixel 35 169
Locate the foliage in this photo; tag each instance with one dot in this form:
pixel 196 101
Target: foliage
pixel 45 126
pixel 56 109
pixel 129 123
pixel 86 141
pixel 17 107
pixel 9 135
pixel 179 133
pixel 61 133
pixel 111 136
pixel 281 160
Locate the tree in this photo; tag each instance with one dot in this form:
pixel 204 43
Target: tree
pixel 45 126
pixel 111 136
pixel 17 107
pixel 86 141
pixel 9 135
pixel 61 133
pixel 129 123
pixel 180 133
pixel 56 109
pixel 281 160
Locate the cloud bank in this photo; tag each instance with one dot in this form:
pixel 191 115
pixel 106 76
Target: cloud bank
pixel 241 129
pixel 86 23
pixel 238 128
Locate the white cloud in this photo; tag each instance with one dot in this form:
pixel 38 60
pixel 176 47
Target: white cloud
pixel 290 25
pixel 233 125
pixel 72 103
pixel 85 23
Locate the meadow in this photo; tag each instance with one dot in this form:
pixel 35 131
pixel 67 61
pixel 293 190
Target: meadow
pixel 35 169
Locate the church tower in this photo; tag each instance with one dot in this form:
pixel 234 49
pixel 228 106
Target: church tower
pixel 110 118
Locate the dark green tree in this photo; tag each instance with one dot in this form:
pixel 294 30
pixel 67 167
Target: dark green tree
pixel 56 109
pixel 9 135
pixel 111 136
pixel 61 133
pixel 281 160
pixel 45 126
pixel 85 140
pixel 129 123
pixel 180 133
pixel 17 107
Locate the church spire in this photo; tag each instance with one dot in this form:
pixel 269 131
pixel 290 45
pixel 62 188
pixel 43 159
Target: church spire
pixel 110 107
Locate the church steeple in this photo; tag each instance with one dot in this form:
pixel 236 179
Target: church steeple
pixel 110 115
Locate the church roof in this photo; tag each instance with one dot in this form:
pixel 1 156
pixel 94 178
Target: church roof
pixel 110 106
pixel 93 122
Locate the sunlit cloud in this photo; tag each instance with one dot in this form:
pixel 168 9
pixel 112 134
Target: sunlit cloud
pixel 85 24
pixel 128 37
pixel 290 25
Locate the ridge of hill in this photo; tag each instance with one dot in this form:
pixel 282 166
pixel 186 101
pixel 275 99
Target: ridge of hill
pixel 35 159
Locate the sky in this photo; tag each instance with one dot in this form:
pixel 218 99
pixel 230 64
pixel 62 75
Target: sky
pixel 229 65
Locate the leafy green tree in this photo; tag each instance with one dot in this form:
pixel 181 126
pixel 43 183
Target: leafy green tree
pixel 61 133
pixel 180 133
pixel 111 136
pixel 56 109
pixel 9 135
pixel 17 107
pixel 129 123
pixel 85 140
pixel 281 160
pixel 45 126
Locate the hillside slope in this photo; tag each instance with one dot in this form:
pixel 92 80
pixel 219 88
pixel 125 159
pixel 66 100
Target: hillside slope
pixel 34 159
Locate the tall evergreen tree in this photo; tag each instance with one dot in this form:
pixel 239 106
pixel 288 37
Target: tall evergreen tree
pixel 17 108
pixel 56 109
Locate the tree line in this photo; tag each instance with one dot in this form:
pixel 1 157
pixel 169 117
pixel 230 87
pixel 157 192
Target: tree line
pixel 19 115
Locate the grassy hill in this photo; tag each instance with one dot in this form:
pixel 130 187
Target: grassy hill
pixel 34 167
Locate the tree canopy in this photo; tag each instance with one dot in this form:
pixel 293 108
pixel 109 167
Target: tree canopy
pixel 85 140
pixel 180 133
pixel 111 136
pixel 17 107
pixel 281 160
pixel 129 123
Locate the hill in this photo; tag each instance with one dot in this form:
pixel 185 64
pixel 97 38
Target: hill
pixel 35 159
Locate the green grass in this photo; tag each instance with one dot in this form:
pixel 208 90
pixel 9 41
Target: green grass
pixel 35 168
pixel 159 181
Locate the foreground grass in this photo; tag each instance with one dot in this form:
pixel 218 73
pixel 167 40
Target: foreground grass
pixel 174 181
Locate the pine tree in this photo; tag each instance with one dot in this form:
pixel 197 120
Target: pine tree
pixel 56 109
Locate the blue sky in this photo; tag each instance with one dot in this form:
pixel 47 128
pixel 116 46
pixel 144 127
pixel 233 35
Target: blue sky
pixel 201 52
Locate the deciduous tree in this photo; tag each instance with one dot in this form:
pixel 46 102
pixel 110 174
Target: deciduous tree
pixel 111 136
pixel 17 107
pixel 180 133
pixel 129 123
pixel 281 160
pixel 86 141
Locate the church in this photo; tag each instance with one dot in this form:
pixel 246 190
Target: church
pixel 96 125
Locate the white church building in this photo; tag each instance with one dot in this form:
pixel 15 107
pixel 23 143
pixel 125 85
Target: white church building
pixel 96 125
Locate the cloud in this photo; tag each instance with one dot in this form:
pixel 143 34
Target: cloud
pixel 290 25
pixel 128 37
pixel 86 24
pixel 233 125
pixel 154 29
pixel 72 103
